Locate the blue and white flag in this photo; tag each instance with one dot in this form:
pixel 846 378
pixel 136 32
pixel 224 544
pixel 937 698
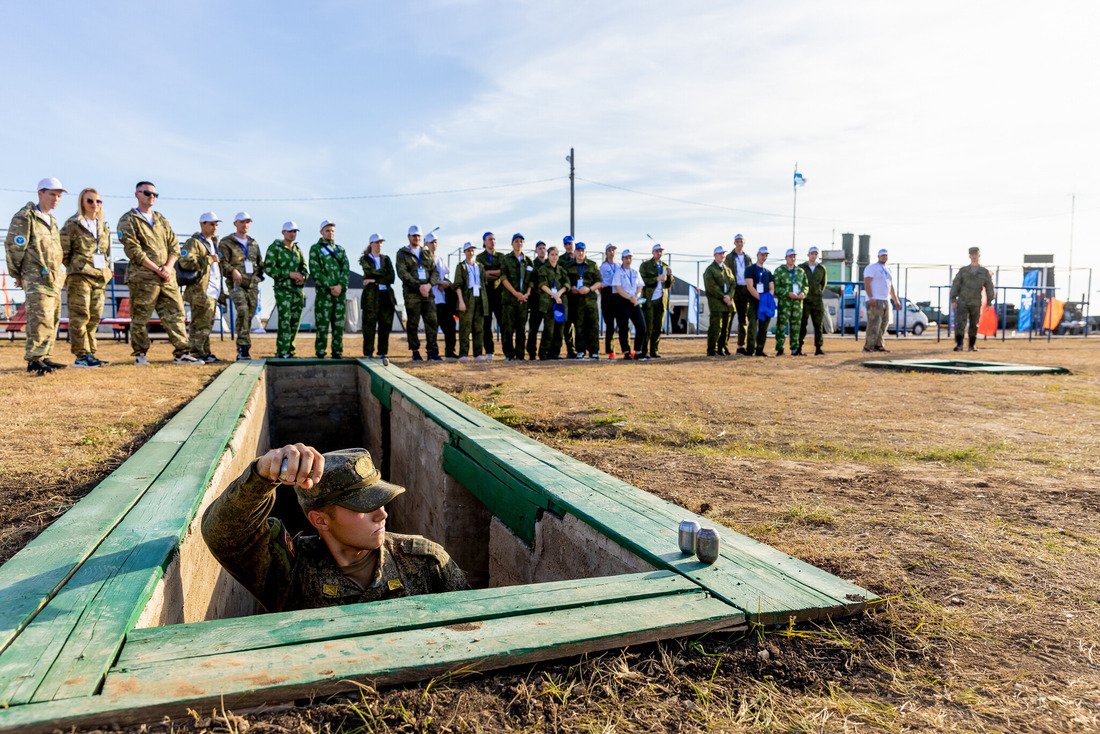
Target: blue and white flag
pixel 693 306
pixel 1027 301
pixel 799 179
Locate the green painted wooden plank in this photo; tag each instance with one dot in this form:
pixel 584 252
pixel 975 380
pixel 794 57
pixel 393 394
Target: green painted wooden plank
pixel 83 626
pixel 238 680
pixel 31 578
pixel 417 390
pixel 145 647
pixel 379 386
pixel 505 501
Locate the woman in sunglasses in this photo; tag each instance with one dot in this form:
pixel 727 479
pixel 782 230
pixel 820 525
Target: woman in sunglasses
pixel 86 252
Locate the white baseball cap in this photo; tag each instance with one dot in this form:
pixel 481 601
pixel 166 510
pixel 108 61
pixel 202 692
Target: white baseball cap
pixel 50 184
pixel 790 252
pixel 626 253
pixel 468 246
pixel 290 226
pixel 656 247
pixel 327 223
pixel 208 217
pixel 719 249
pixel 430 237
pixel 414 230
pixel 242 217
pixel 609 247
pixel 762 251
pixel 812 249
pixel 882 252
pixel 375 238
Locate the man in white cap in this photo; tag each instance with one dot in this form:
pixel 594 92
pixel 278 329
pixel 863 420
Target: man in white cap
pixel 473 302
pixel 328 262
pixel 879 286
pixel 200 255
pixel 738 262
pixel 446 300
pixel 417 272
pixel 244 269
pixel 628 287
pixel 658 281
pixel 790 291
pixel 378 301
pixel 814 306
pixel 153 249
pixel 33 247
pixel 286 264
pixel 610 303
pixel 758 280
pixel 718 284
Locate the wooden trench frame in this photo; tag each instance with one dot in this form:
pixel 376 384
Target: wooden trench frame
pixel 117 613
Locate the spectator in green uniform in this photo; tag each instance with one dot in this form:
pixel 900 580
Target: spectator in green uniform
pixel 814 306
pixel 328 262
pixel 966 297
pixel 758 280
pixel 491 262
pixel 583 311
pixel 86 254
pixel 473 303
pixel 517 276
pixel 790 291
pixel 286 264
pixel 243 265
pixel 553 293
pixel 350 559
pixel 658 281
pixel 417 272
pixel 568 331
pixel 153 249
pixel 379 300
pixel 200 254
pixel 718 285
pixel 33 246
pixel 534 313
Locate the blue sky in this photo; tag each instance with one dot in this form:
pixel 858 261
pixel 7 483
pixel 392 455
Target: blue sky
pixel 931 126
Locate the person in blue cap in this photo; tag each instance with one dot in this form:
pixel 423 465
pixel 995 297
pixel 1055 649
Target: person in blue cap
pixel 554 290
pixel 568 333
pixel 582 311
pixel 759 280
pixel 491 262
pixel 516 279
pixel 535 314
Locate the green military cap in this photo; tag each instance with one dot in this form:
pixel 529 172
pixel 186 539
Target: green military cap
pixel 975 250
pixel 349 480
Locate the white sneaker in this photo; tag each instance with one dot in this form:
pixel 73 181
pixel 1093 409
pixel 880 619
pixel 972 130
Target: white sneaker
pixel 141 359
pixel 463 359
pixel 187 359
pixel 489 357
pixel 479 358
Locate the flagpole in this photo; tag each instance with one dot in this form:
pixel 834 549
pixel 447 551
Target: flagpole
pixel 794 215
pixel 1069 270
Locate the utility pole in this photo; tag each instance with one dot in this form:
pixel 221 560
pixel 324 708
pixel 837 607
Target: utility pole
pixel 572 169
pixel 1069 270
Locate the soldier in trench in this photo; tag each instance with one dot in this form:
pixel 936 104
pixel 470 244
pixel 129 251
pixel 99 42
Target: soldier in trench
pixel 351 559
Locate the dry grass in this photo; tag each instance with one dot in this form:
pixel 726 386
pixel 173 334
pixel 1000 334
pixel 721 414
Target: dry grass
pixel 969 501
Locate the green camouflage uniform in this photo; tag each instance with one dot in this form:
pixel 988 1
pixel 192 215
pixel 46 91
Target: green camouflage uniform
pixel 290 299
pixel 718 282
pixel 582 311
pixel 655 310
pixel 285 574
pixel 329 264
pixel 555 278
pixel 245 296
pixel 788 310
pixel 966 293
pixel 199 254
pixel 85 283
pixel 378 302
pixel 535 315
pixel 494 305
pixel 520 273
pixel 814 306
pixel 416 305
pixel 471 321
pixel 34 254
pixel 147 291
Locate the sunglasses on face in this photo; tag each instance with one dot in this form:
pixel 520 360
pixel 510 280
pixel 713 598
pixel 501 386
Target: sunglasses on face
pixel 93 201
pixel 150 194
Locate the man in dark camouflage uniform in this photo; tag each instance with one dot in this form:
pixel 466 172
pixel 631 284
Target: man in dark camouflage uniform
pixel 243 266
pixel 417 272
pixel 966 295
pixel 34 258
pixel 352 558
pixel 153 249
pixel 286 265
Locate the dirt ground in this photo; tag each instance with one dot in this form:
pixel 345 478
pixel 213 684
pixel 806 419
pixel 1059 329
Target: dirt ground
pixel 969 501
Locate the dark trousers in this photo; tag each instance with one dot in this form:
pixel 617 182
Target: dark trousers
pixel 757 329
pixel 741 299
pixel 629 313
pixel 496 308
pixel 550 348
pixel 533 321
pixel 609 305
pixel 445 314
pixel 719 329
pixel 813 310
pixel 377 318
pixel 512 336
pixel 416 307
pixel 966 318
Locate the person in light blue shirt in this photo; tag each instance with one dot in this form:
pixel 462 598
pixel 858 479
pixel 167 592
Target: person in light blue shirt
pixel 628 285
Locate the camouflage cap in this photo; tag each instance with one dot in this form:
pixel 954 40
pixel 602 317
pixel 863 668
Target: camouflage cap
pixel 349 480
pixel 974 250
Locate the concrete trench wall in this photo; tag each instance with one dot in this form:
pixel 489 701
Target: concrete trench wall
pixel 330 407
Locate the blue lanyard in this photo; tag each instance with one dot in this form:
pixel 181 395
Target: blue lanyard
pixel 519 258
pixel 243 247
pixel 580 273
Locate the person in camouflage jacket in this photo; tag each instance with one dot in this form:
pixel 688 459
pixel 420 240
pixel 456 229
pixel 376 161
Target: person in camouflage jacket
pixel 329 264
pixel 286 265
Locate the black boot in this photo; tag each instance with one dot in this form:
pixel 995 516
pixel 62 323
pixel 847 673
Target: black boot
pixel 971 347
pixel 958 344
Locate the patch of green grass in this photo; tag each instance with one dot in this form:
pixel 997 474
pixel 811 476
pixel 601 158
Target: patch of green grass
pixel 608 420
pixel 506 414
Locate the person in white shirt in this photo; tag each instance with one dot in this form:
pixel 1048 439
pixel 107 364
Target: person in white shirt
pixel 609 300
pixel 627 285
pixel 446 301
pixel 737 262
pixel 879 285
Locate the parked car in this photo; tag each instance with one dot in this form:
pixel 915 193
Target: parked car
pixel 909 319
pixel 934 314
